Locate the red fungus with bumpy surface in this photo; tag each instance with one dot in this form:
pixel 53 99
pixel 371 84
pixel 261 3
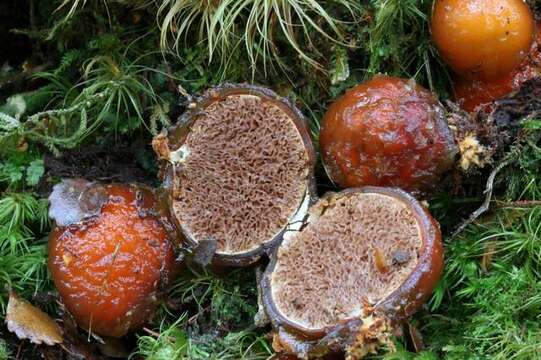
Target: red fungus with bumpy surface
pixel 387 131
pixel 239 167
pixel 109 254
pixel 365 260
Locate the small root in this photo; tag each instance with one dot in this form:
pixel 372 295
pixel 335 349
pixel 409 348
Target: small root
pixel 488 197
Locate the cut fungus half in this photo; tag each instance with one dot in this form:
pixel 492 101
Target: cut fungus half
pixel 239 167
pixel 365 256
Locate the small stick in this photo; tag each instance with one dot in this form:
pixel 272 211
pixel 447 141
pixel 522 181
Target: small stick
pixel 486 204
pixel 19 348
pixel 519 204
pixel 151 332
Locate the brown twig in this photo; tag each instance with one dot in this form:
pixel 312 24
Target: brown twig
pixel 157 335
pixel 488 197
pixel 19 348
pixel 517 204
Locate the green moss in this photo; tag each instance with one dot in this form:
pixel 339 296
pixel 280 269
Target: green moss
pixel 4 351
pixel 222 302
pixel 399 43
pixel 23 218
pixel 218 323
pixel 23 223
pixel 174 343
pixel 488 303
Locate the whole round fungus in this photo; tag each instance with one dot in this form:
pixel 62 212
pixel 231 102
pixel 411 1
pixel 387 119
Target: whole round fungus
pixel 240 169
pixel 363 254
pixel 109 264
pixel 482 39
pixel 387 131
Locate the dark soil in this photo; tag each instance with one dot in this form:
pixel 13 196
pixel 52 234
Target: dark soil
pixel 525 103
pixel 124 163
pixel 15 47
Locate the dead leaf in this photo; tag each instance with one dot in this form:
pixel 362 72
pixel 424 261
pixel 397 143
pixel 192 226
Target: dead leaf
pixel 486 260
pixel 29 322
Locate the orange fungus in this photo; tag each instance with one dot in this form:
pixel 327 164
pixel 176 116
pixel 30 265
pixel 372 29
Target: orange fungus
pixel 108 268
pixel 482 39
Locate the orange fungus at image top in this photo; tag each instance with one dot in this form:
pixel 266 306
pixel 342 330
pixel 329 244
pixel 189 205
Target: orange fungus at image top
pixel 482 39
pixel 387 132
pixel 108 269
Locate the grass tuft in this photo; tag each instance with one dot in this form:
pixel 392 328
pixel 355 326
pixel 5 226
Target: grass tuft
pixel 174 343
pixel 259 27
pixel 399 43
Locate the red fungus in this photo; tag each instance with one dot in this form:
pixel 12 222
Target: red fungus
pixel 108 266
pixel 387 132
pixel 471 94
pixel 324 289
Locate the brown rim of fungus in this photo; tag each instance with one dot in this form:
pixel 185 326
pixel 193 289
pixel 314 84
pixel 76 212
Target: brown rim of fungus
pixel 396 303
pixel 224 131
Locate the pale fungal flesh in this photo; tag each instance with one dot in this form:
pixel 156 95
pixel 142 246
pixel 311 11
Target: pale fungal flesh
pixel 357 250
pixel 244 170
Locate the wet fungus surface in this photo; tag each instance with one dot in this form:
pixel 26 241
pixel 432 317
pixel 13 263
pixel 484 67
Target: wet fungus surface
pixel 363 254
pixel 473 93
pixel 387 132
pixel 111 261
pixel 239 167
pixel 482 39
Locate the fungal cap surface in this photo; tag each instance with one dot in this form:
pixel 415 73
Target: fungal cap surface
pixel 108 268
pixel 482 39
pixel 472 94
pixel 387 131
